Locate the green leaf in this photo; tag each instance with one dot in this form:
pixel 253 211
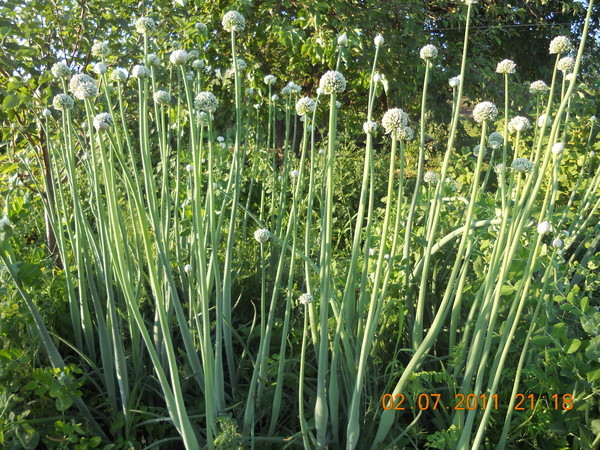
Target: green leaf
pixel 541 341
pixel 507 290
pixel 574 346
pixel 11 101
pixel 63 403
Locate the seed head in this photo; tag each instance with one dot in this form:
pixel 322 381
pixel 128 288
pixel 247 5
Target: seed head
pixel 560 44
pixel 63 102
pixel 485 111
pixel 274 98
pixel 305 105
pixel 241 64
pixel 430 177
pixel 538 87
pixel 103 121
pixel 342 39
pixel 499 168
pixel 429 52
pixel 379 40
pixel 506 66
pixel 187 268
pixel 332 81
pixel 145 25
pixel 99 68
pixel 162 97
pixel 405 134
pixel 198 64
pixel 518 123
pixel 544 227
pixel 200 27
pixel 189 168
pixel 495 140
pixel 206 101
pixel 100 49
pixel 454 81
pixel 394 120
pixel 61 70
pixel 118 75
pixel 85 90
pixel 140 72
pixel 566 64
pixel 370 127
pixel 270 79
pixel 153 60
pixel 179 57
pixel 294 173
pixel 544 120
pixel 305 299
pixel 262 235
pixel 558 148
pixel 47 113
pixel 558 243
pixel 233 21
pixel 522 165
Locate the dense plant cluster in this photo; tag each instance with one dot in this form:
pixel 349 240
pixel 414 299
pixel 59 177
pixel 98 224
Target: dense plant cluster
pixel 225 265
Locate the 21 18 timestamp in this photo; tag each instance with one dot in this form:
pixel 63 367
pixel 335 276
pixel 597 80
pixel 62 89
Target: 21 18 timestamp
pixel 471 401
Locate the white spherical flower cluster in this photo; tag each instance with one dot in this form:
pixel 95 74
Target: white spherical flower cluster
pixel 262 235
pixel 99 68
pixel 187 268
pixel 305 105
pixel 430 177
pixel 495 140
pixel 566 64
pixel 454 81
pixel 61 70
pixel 47 113
pixel 189 168
pixel 506 66
pixel 103 121
pixel 162 97
pixel 429 52
pixel 332 81
pixel 140 72
pixel 100 49
pixel 270 80
pixel 394 120
pixel 179 57
pixel 342 39
pixel 370 127
pixel 274 97
pixel 476 150
pixel 544 227
pixel 294 173
pixel 518 123
pixel 200 27
pixel 198 64
pixel 593 119
pixel 86 90
pixel 153 60
pixel 544 120
pixel 233 21
pixel 206 101
pixel 470 2
pixel 379 40
pixel 63 102
pixel 485 111
pixel 118 75
pixel 499 168
pixel 306 299
pixel 558 243
pixel 83 86
pixel 193 54
pixel 538 87
pixel 405 134
pixel 145 25
pixel 558 148
pixel 560 44
pixel 522 165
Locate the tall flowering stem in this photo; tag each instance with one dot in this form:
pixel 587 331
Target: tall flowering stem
pixel 387 417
